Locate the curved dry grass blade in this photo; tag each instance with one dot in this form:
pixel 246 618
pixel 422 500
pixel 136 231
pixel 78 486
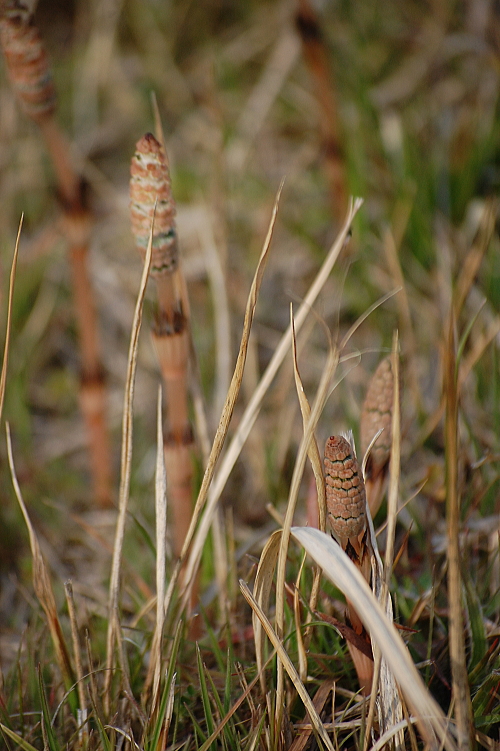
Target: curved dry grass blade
pixel 317 467
pixel 3 376
pixel 155 664
pixel 283 658
pixel 342 572
pixel 317 409
pixel 474 257
pixel 313 450
pixel 301 649
pixel 384 739
pixel 357 323
pixel 252 409
pixel 126 464
pixel 262 589
pixel 41 580
pixel 227 413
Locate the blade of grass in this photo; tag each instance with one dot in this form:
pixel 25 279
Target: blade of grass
pixel 17 738
pixel 198 540
pixel 3 376
pixel 317 408
pixel 205 698
pixel 460 682
pixel 43 587
pixel 48 731
pixel 126 463
pixel 318 728
pixel 388 703
pixel 317 467
pixel 155 666
pixel 252 409
pixel 68 588
pixel 342 572
pixel 262 590
pixel 165 708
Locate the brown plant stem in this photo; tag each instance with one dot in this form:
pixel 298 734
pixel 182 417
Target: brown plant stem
pixel 316 58
pixel 152 205
pixel 460 680
pixel 31 79
pixel 77 223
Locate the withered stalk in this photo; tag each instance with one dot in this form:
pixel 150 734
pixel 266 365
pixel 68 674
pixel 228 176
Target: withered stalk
pixel 29 73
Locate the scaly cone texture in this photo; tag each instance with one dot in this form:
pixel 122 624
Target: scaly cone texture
pixel 150 183
pixel 346 506
pixel 345 491
pixel 28 67
pixel 29 73
pixel 151 198
pixel 377 414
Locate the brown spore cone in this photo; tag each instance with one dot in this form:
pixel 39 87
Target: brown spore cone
pixel 28 66
pixel 377 414
pixel 345 490
pixel 150 183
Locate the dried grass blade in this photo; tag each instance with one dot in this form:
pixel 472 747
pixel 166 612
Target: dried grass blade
pixel 227 413
pixel 161 555
pixel 317 467
pixel 460 681
pixel 342 572
pixel 3 376
pixel 41 580
pixel 246 694
pixel 262 590
pixel 395 463
pixel 474 257
pixel 313 450
pixel 318 728
pixel 390 711
pixel 301 649
pixel 252 409
pixel 367 313
pixel 126 463
pixel 83 713
pixel 319 403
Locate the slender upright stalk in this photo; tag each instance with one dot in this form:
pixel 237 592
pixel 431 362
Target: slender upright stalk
pixel 151 200
pixel 460 679
pixel 316 57
pixel 28 69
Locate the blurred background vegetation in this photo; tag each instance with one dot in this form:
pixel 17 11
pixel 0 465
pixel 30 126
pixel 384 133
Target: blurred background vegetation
pixel 415 92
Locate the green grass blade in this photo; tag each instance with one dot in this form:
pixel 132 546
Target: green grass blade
pixel 196 726
pixel 48 730
pixel 17 738
pixel 229 728
pixel 479 645
pixel 205 698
